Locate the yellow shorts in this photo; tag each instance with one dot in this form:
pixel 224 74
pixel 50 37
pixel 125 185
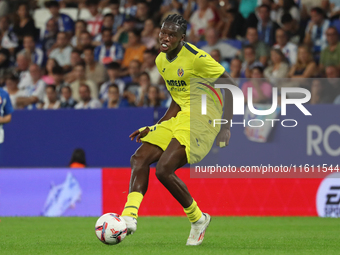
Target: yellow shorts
pixel 197 141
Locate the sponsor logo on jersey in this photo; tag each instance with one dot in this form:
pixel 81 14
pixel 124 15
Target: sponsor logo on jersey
pixel 177 85
pixel 180 72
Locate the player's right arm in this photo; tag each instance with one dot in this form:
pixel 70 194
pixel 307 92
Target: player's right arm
pixel 171 112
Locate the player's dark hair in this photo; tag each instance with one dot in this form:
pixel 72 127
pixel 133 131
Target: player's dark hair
pixel 113 66
pixel 178 20
pixel 78 156
pixel 286 18
pixel 58 70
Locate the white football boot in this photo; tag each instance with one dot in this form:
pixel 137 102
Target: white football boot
pixel 198 230
pixel 131 224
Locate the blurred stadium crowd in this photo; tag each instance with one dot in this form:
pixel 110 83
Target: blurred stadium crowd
pixel 101 54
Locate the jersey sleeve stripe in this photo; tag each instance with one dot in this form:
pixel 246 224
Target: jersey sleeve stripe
pixel 189 48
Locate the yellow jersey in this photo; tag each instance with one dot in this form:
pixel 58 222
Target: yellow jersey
pixel 189 75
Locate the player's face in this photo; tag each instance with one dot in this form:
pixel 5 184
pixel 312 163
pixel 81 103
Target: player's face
pixel 169 37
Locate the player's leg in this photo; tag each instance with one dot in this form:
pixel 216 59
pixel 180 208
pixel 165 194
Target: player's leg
pixel 145 155
pixel 173 158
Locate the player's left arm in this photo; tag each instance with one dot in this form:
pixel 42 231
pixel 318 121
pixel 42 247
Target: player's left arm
pixel 223 136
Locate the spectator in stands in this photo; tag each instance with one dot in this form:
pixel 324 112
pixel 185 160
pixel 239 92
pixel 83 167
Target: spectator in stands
pixel 34 92
pixel 147 34
pixel 52 98
pixel 305 66
pixel 332 75
pixel 79 71
pixel 249 61
pixel 130 8
pixel 316 31
pixel 75 59
pixel 292 28
pixel 114 100
pixel 48 77
pixel 233 24
pixel 63 51
pixel 287 6
pixel 80 27
pixel 216 54
pixel 67 100
pixel 11 86
pixel 134 70
pixel 118 17
pixel 78 159
pixel 22 71
pixel 86 101
pixel 331 54
pixel 58 77
pixel 108 51
pixel 261 49
pixel 142 14
pixel 50 37
pixel 261 90
pixel 107 24
pixel 4 62
pixel 135 49
pixel 65 22
pixel 149 66
pixel 121 36
pixel 235 68
pixel 94 71
pixel 94 23
pixel 9 39
pixel 153 97
pixel 288 49
pixel 4 8
pixel 321 92
pixel 278 68
pixel 24 25
pixel 265 26
pixel 84 41
pixel 143 88
pixel 113 70
pixel 200 20
pixel 37 55
pixel 213 42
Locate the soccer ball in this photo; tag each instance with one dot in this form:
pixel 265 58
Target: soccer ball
pixel 111 228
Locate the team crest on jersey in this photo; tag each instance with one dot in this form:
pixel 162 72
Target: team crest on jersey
pixel 180 72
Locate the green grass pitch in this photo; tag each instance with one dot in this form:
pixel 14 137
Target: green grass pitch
pixel 167 235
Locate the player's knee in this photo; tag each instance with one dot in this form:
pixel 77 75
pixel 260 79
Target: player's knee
pixel 162 171
pixel 136 160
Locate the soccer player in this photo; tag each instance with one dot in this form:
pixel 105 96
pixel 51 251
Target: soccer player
pixel 168 142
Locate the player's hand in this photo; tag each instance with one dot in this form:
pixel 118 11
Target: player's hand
pixel 223 137
pixel 139 134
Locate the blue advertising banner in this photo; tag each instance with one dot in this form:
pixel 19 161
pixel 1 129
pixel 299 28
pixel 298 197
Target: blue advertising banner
pixel 50 192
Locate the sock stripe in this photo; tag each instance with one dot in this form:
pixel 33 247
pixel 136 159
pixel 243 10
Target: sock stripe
pixel 131 206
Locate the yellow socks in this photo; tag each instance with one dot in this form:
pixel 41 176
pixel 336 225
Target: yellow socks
pixel 134 200
pixel 193 212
